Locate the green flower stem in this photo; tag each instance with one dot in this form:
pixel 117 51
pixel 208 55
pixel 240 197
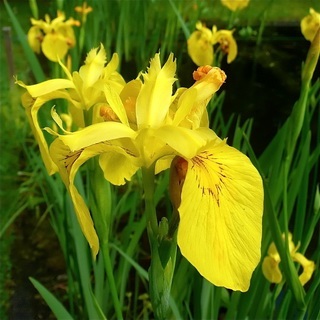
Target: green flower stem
pixel 100 203
pixel 108 266
pixel 150 210
pixel 163 251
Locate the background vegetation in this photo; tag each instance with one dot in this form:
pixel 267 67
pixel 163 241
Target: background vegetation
pixel 263 84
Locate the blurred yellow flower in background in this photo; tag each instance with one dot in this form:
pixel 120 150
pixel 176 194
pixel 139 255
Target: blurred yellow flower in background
pixel 310 24
pixel 201 44
pixel 235 5
pixel 54 37
pixel 270 265
pixel 83 10
pixel 228 44
pixel 200 47
pixel 83 89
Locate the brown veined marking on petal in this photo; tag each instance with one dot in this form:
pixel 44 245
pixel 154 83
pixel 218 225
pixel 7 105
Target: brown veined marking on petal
pixel 217 186
pixel 224 45
pixel 71 157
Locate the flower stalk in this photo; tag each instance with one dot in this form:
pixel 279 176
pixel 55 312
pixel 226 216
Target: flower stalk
pixel 100 203
pixel 163 251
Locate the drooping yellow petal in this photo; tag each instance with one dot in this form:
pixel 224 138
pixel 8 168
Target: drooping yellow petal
pixel 270 269
pixel 154 99
pixel 54 46
pixel 33 100
pixel 35 37
pixel 32 107
pixel 270 266
pixel 227 43
pixel 221 216
pixel 118 168
pixel 310 24
pixel 235 5
pixel 93 67
pixel 69 162
pixel 200 47
pixel 307 265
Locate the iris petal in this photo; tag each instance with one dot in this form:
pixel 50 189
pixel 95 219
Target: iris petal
pixel 221 216
pixel 96 133
pixel 69 162
pixel 200 48
pixel 32 107
pixel 154 99
pixel 270 269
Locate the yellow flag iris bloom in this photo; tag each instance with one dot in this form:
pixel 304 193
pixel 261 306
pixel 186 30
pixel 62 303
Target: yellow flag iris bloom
pixel 270 265
pixel 54 38
pixel 310 24
pixel 82 90
pixel 227 42
pixel 218 192
pixel 200 47
pixel 201 44
pixel 235 5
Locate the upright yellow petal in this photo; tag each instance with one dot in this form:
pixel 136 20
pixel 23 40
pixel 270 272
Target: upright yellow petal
pixel 116 104
pixel 154 99
pixel 93 67
pixel 193 101
pixel 221 216
pixel 310 24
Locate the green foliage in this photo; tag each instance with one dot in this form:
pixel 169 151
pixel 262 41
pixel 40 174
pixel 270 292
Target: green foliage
pixel 115 285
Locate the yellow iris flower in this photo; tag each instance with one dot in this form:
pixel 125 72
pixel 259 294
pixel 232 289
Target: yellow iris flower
pixel 54 37
pixel 84 9
pixel 235 5
pixel 200 47
pixel 227 42
pixel 218 192
pixel 83 90
pixel 201 42
pixel 310 24
pixel 270 265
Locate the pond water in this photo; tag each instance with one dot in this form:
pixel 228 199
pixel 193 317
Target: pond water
pixel 263 82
